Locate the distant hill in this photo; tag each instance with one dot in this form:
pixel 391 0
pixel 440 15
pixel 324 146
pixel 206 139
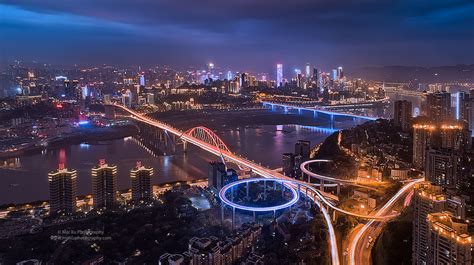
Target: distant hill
pixel 463 73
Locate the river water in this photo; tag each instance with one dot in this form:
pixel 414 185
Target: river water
pixel 24 179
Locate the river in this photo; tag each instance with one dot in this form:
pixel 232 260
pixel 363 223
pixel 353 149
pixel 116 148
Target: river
pixel 24 179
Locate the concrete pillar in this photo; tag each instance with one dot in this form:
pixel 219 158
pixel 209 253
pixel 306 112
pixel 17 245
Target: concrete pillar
pixel 247 189
pixel 222 213
pixel 233 217
pixel 185 146
pixel 264 190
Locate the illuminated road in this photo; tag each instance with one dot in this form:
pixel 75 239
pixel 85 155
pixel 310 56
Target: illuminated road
pixel 371 225
pixel 205 139
pixel 327 112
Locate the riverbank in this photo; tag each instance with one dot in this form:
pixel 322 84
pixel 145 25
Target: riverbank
pixel 81 135
pixel 221 119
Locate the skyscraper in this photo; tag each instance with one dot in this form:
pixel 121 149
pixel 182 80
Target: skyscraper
pixel 427 199
pixel 402 114
pixel 142 189
pixel 334 75
pixel 303 148
pixel 288 160
pixel 442 166
pixel 449 241
pixel 422 134
pixel 308 71
pixel 438 106
pixel 463 106
pixel 244 80
pixel 340 73
pixel 316 76
pixel 218 176
pixel 279 74
pixel 104 184
pixel 62 190
pixel 215 169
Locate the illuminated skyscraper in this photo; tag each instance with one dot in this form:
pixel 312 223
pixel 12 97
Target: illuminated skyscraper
pixel 308 71
pixel 142 189
pixel 334 74
pixel 435 240
pixel 427 199
pixel 438 106
pixel 229 75
pixel 279 78
pixel 104 184
pixel 463 106
pixel 62 190
pixel 244 80
pixel 422 133
pixel 142 80
pixel 449 241
pixel 340 73
pixel 442 167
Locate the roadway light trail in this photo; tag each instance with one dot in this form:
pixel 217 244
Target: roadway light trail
pixel 209 142
pixel 379 212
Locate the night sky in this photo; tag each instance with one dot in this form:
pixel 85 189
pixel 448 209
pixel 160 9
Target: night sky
pixel 248 35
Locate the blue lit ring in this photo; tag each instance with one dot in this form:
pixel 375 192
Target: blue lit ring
pixel 296 196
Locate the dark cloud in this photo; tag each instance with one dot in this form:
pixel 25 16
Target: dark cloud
pixel 243 34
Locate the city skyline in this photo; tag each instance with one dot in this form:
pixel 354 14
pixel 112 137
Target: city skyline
pixel 161 33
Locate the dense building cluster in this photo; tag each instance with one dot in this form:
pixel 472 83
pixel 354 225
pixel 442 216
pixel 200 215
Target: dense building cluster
pixel 211 250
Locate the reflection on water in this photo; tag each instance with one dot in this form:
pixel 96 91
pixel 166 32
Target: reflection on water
pixel 25 179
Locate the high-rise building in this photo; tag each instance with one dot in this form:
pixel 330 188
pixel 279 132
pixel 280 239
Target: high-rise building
pixel 449 241
pixel 454 136
pixel 430 199
pixel 244 80
pixel 402 115
pixel 299 81
pixel 427 198
pixel 279 75
pixel 62 190
pixel 442 167
pixel 303 148
pixel 316 76
pixel 289 164
pixel 142 188
pixel 422 134
pixel 334 75
pixel 438 106
pixel 142 80
pixel 104 185
pixel 463 106
pixel 471 112
pixel 340 73
pixel 308 71
pixel 218 176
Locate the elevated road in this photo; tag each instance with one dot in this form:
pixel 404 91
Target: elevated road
pixel 206 140
pixel 332 114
